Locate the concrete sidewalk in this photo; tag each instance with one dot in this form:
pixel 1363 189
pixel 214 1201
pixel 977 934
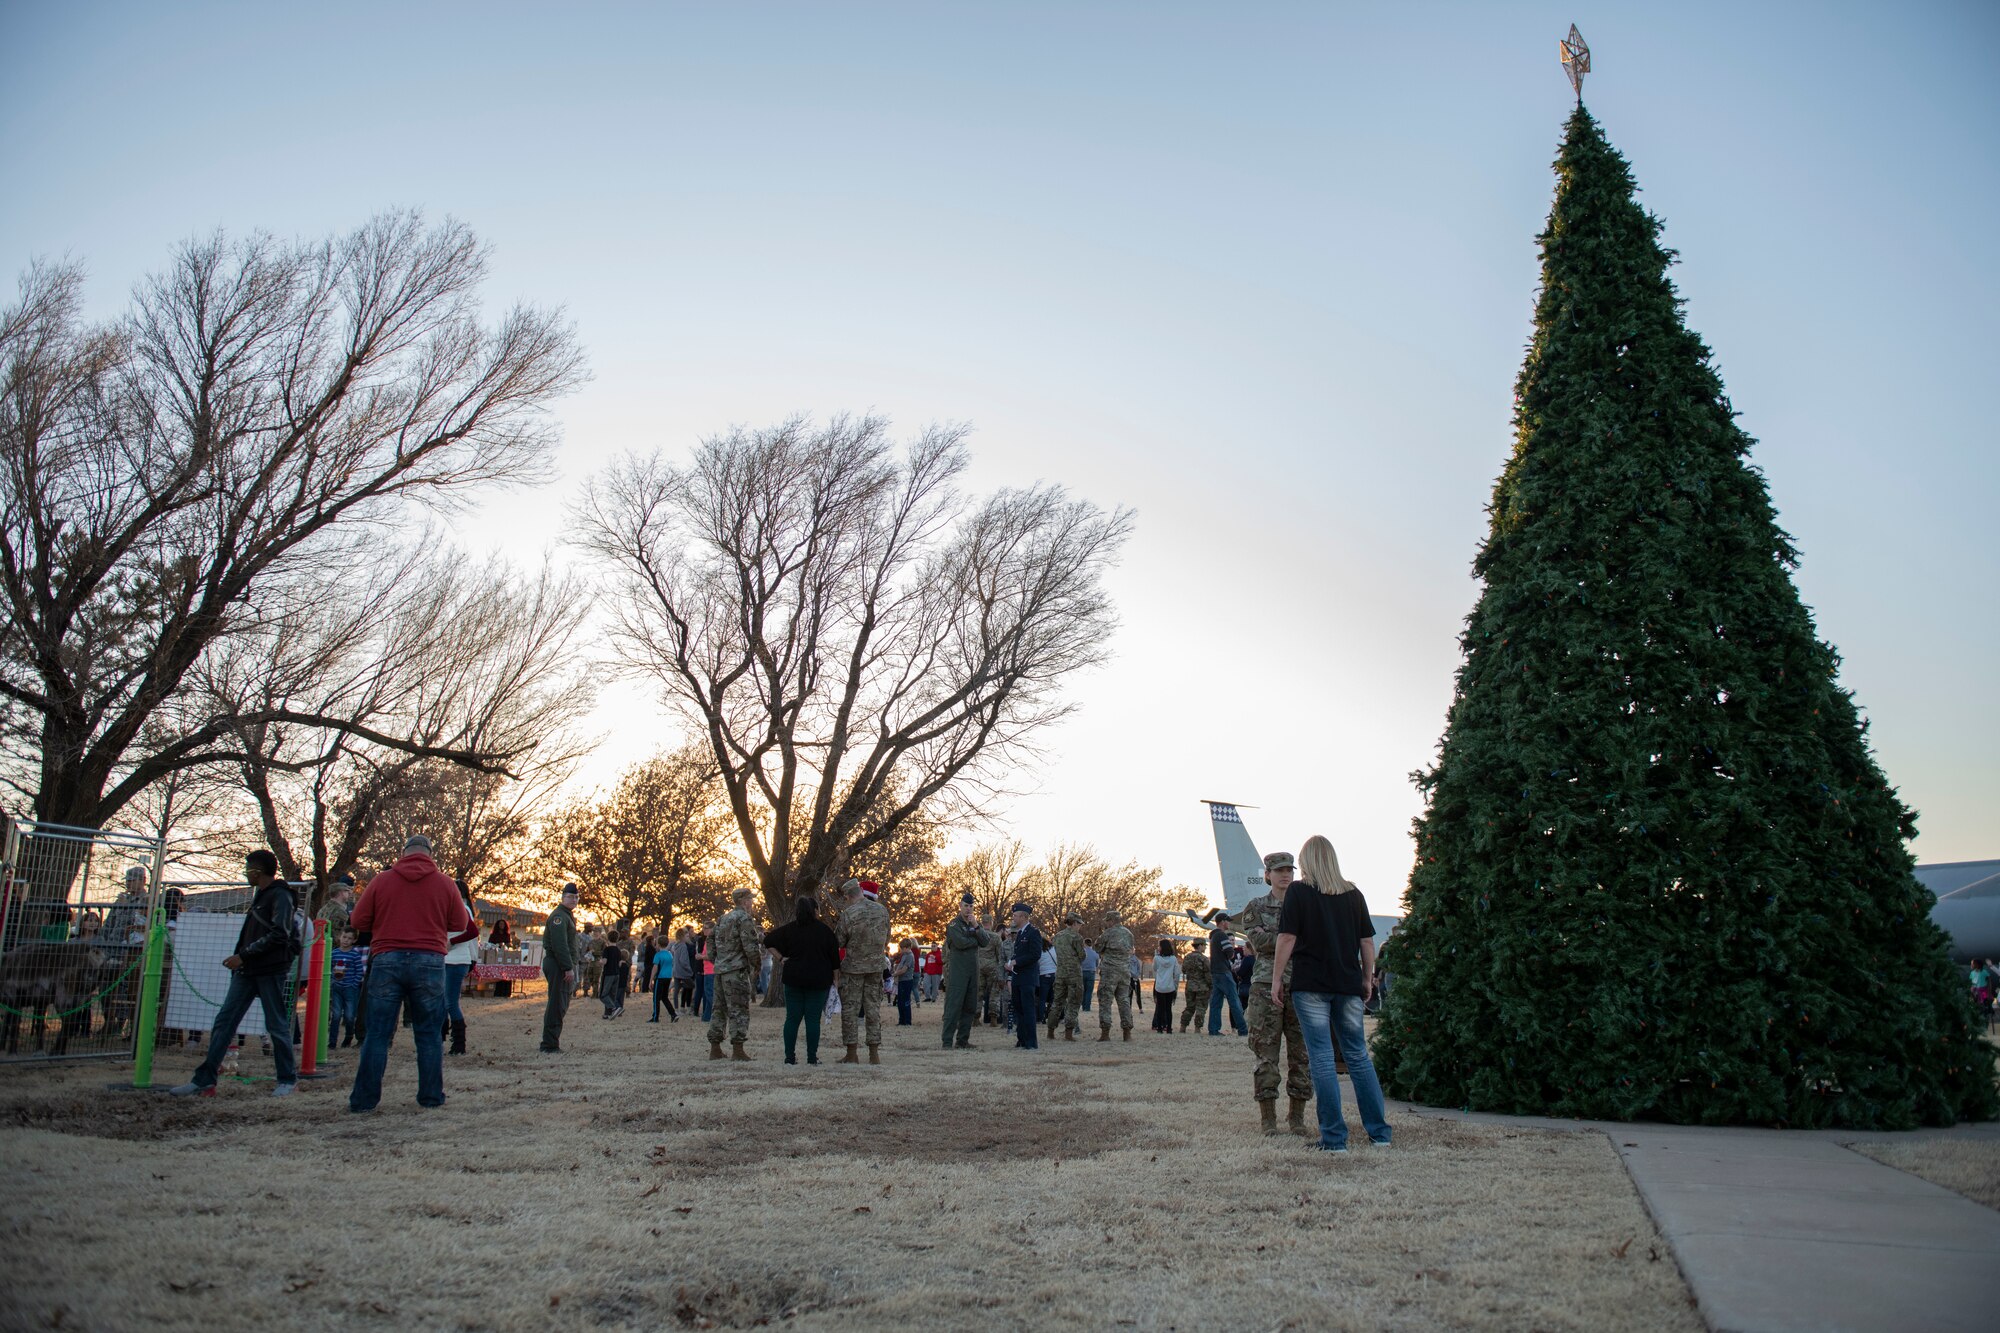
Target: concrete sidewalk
pixel 1788 1229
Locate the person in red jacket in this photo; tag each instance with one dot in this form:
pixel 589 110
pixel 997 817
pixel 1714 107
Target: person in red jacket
pixel 933 972
pixel 408 914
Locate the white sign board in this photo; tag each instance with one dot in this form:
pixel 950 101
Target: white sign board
pixel 197 979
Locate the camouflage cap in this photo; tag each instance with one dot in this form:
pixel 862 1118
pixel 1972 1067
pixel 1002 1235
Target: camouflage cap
pixel 1279 861
pixel 1114 915
pixel 1073 919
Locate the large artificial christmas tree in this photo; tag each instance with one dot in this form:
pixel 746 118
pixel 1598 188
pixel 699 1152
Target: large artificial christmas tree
pixel 1660 875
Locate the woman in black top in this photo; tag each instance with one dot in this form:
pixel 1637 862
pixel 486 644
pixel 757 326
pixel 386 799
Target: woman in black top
pixel 812 956
pixel 1328 938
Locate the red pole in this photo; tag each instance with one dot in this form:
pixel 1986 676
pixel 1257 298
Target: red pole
pixel 315 1001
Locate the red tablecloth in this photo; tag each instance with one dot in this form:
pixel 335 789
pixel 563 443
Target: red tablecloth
pixel 505 972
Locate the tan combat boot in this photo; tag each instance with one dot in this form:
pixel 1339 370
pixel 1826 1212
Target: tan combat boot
pixel 1104 1034
pixel 1269 1111
pixel 874 1055
pixel 715 1051
pixel 736 1051
pixel 1296 1121
pixel 853 1056
pixel 1069 1034
pixel 1126 1033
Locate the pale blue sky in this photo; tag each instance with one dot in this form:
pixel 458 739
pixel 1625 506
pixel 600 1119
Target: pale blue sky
pixel 1263 272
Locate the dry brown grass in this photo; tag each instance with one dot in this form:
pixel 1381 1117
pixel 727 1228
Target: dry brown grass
pixel 631 1183
pixel 1970 1166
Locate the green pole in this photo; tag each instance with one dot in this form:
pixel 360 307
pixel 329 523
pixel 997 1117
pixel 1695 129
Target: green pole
pixel 149 1003
pixel 325 947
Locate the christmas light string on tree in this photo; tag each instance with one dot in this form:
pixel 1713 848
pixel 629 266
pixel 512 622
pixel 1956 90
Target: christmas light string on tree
pixel 1659 873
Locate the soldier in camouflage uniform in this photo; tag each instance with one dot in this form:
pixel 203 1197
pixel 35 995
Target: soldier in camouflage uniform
pixel 1271 1022
pixel 592 975
pixel 737 946
pixel 863 931
pixel 1068 993
pixel 992 986
pixel 1195 971
pixel 1114 977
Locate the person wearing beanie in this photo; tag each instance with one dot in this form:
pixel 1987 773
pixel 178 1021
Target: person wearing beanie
pixel 963 940
pixel 863 933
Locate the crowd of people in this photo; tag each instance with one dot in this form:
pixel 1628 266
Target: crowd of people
pixel 1292 970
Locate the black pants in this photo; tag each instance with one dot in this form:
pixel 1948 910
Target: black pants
pixel 663 993
pixel 1027 1010
pixel 805 1004
pixel 1163 1011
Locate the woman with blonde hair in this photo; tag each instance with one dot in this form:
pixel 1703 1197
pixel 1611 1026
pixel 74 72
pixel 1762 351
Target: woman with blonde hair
pixel 1325 933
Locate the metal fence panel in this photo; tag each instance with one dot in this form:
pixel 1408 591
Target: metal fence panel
pixel 74 908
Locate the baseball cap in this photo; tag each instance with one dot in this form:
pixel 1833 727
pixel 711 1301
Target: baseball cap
pixel 1279 861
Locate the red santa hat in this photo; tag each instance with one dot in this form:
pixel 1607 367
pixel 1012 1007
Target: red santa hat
pixel 871 889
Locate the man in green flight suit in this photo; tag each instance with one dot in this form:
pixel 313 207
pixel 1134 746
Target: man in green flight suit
pixel 1114 977
pixel 964 941
pixel 1068 992
pixel 558 967
pixel 1270 1022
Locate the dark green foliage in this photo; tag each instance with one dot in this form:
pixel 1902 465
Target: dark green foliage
pixel 1660 875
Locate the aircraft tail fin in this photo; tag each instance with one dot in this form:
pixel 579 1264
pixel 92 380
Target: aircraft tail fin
pixel 1242 868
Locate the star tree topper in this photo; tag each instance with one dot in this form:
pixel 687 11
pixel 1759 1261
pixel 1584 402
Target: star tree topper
pixel 1574 53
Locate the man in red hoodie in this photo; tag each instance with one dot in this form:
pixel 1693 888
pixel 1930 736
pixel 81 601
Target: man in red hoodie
pixel 408 914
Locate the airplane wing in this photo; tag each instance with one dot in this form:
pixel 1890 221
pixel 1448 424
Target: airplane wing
pixel 1242 868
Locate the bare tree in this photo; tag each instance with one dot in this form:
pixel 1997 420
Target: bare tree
pixel 655 848
pixel 433 655
pixel 155 475
pixel 994 874
pixel 836 620
pixel 1073 877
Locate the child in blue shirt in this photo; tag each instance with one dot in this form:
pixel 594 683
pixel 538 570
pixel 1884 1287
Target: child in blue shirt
pixel 350 965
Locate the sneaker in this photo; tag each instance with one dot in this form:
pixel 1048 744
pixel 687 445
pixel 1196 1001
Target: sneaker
pixel 284 1089
pixel 192 1090
pixel 1337 1152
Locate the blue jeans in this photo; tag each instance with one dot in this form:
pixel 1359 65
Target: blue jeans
pixel 243 992
pixel 454 982
pixel 1027 1011
pixel 1322 1020
pixel 1089 987
pixel 906 987
pixel 345 1003
pixel 1225 984
pixel 394 978
pixel 707 996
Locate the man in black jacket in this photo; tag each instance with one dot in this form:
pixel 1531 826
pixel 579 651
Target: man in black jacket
pixel 260 970
pixel 1025 967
